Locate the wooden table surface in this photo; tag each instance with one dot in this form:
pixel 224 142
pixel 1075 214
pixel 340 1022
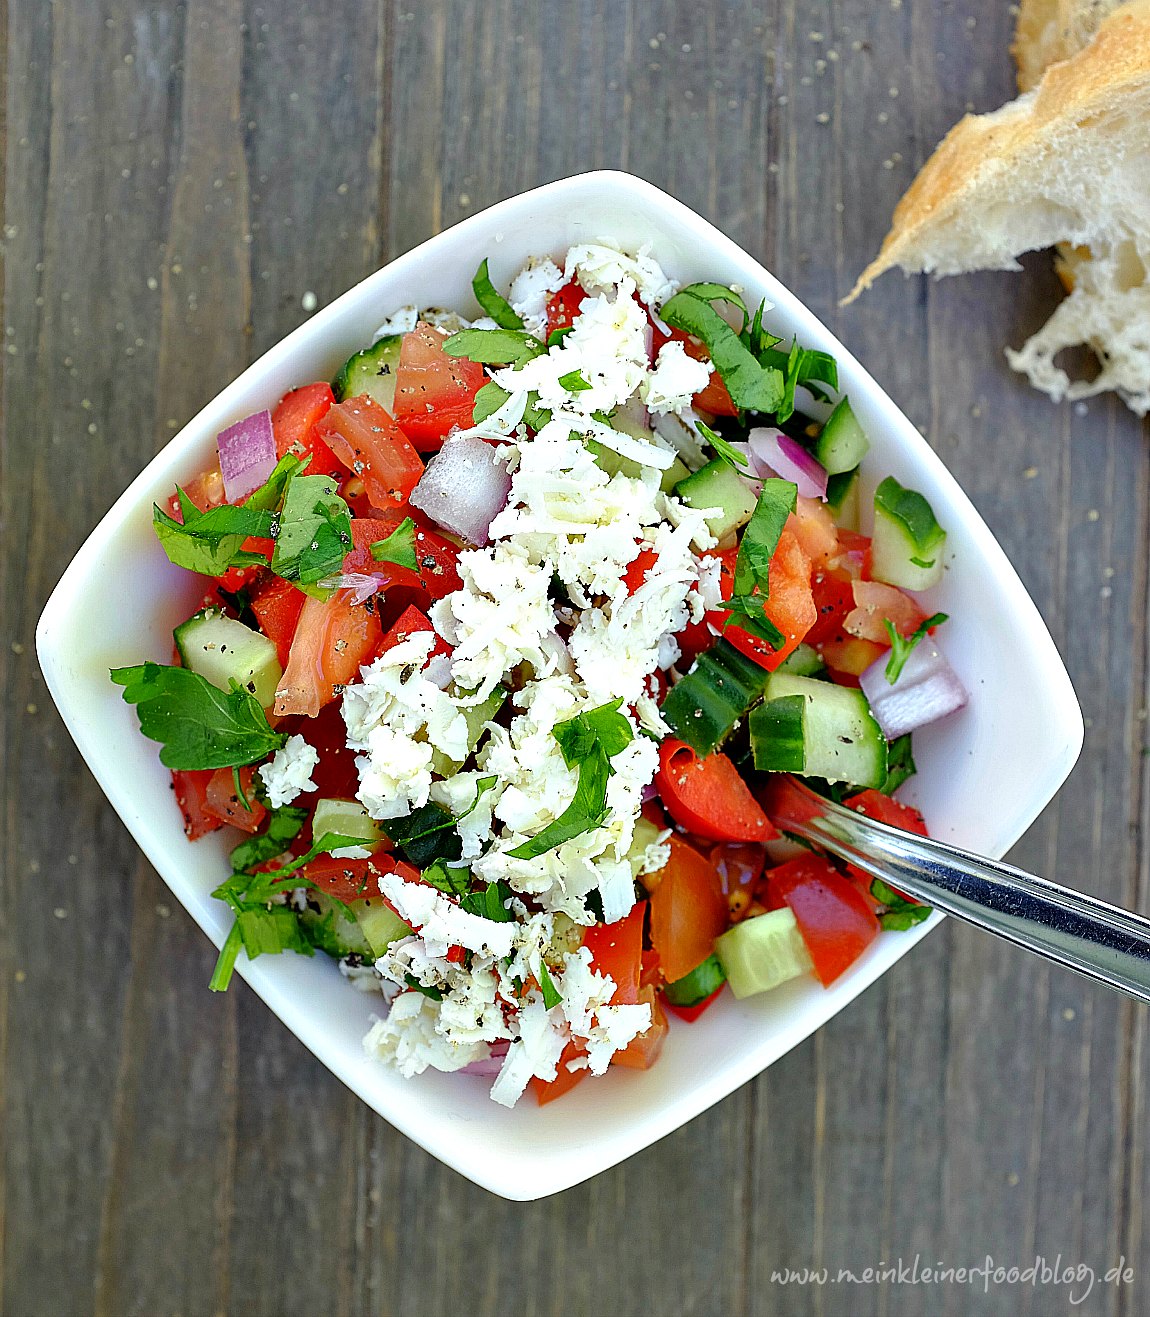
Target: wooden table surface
pixel 180 179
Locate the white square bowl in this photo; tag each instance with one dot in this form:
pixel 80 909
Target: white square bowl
pixel 984 775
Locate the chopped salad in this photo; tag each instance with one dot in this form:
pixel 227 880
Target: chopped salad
pixel 509 639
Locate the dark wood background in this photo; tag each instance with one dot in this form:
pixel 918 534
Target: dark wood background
pixel 177 178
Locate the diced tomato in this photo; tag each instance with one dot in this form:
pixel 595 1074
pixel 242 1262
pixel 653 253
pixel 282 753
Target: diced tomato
pixel 688 911
pixel 410 623
pixel 332 638
pixel 438 558
pixel 740 866
pixel 707 796
pixel 641 1053
pixel 790 605
pixel 434 393
pixel 370 444
pixel 835 920
pixel 692 1013
pixel 335 775
pixel 617 949
pixel 564 1081
pixel 277 605
pixel 295 423
pixel 814 527
pixel 853 557
pixel 787 801
pixel 191 788
pixel 638 568
pixel 354 880
pixel 848 657
pixel 876 603
pixel 651 972
pixel 563 306
pixel 885 809
pixel 206 491
pixel 715 398
pixel 834 599
pixel 694 639
pixel 222 800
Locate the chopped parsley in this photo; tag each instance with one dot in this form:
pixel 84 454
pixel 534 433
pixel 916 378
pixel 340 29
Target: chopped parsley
pixel 723 447
pixel 752 386
pixel 494 347
pixel 901 647
pixel 398 547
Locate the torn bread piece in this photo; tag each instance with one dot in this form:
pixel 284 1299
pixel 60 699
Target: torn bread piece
pixel 1067 163
pixel 1048 31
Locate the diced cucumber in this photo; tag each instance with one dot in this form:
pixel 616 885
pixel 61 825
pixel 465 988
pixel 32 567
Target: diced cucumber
pixel 373 927
pixel 646 834
pixel 802 661
pixel 371 371
pixel 706 978
pixel 843 499
pixel 613 462
pixel 378 923
pixel 762 952
pixel 721 686
pixel 222 650
pixel 908 542
pixel 475 716
pixel 719 489
pixel 841 444
pixel 348 818
pixel 818 729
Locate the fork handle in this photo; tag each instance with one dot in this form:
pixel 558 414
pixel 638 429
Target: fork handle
pixel 1090 936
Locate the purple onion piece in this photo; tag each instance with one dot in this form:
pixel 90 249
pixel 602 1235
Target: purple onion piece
pixel 247 455
pixel 927 689
pixel 777 453
pixel 463 489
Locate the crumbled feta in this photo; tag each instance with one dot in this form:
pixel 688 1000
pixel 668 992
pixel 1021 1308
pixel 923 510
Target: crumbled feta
pixel 409 1038
pixel 498 620
pixel 402 321
pixel 531 289
pixel 675 380
pixel 601 265
pixel 398 718
pixel 289 772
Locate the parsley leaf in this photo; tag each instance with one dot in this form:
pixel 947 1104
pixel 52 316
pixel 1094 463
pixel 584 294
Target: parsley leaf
pixel 748 614
pixel 556 337
pixel 603 727
pixel 491 397
pixel 314 533
pixel 802 366
pixel 494 347
pixel 425 835
pixel 450 878
pixel 210 542
pixel 492 301
pixel 901 647
pixel 574 382
pixel 284 825
pixel 899 764
pixel 708 292
pixel 551 994
pixel 760 538
pixel 725 450
pixel 489 903
pixel 398 547
pixel 757 338
pixel 900 914
pixel 197 724
pixel 752 386
pixel 588 741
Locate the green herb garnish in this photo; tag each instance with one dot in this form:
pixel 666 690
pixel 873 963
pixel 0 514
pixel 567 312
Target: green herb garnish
pixel 722 447
pixel 398 547
pixel 197 724
pixel 901 647
pixel 492 301
pixel 574 382
pixel 752 386
pixel 551 994
pixel 314 533
pixel 494 347
pixel 900 914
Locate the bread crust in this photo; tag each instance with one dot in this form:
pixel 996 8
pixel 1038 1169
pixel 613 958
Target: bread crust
pixel 1051 30
pixel 981 149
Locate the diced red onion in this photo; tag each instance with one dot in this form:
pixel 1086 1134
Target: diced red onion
pixel 777 453
pixel 490 1065
pixel 927 689
pixel 247 455
pixel 650 792
pixel 464 488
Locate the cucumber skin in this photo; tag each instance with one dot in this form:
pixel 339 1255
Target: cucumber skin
pixel 841 741
pixel 892 551
pixel 842 445
pixel 361 373
pixel 719 485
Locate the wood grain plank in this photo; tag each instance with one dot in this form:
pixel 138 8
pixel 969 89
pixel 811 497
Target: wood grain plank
pixel 174 1139
pixel 78 398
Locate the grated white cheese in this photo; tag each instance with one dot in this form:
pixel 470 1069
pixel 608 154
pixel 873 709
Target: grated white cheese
pixel 602 265
pixel 531 289
pixel 676 379
pixel 289 772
